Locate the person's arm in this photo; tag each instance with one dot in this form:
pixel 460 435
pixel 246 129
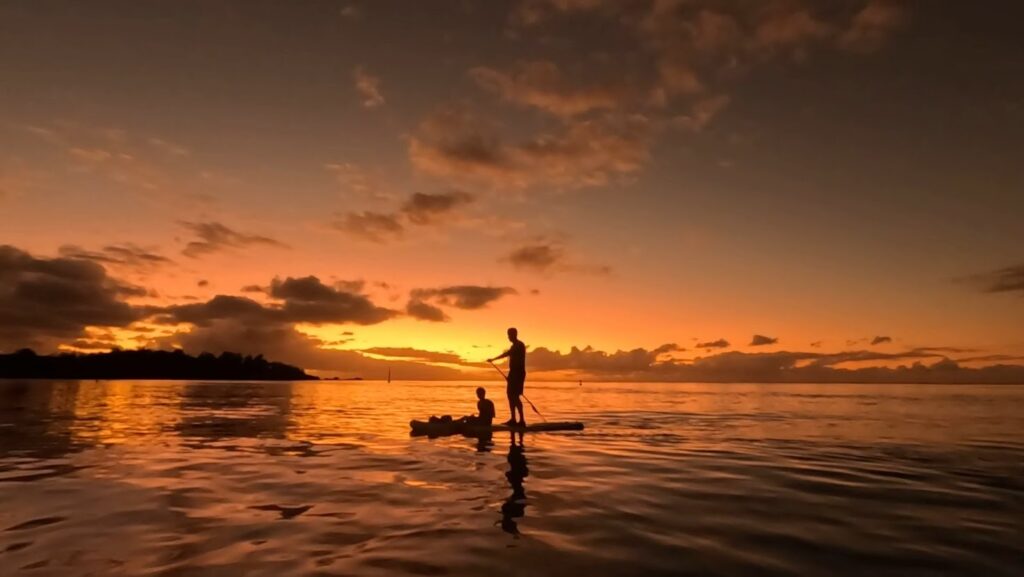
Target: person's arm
pixel 501 356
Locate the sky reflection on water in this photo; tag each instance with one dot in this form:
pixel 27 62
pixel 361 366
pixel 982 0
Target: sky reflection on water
pixel 170 478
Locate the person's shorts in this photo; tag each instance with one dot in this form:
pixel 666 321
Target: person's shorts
pixel 515 385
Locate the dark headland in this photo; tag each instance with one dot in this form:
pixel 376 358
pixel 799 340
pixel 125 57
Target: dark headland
pixel 146 364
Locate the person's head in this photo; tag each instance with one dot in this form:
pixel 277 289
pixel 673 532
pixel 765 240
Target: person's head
pixel 513 334
pixel 481 393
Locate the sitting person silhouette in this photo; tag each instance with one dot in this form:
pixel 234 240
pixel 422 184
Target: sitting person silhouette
pixel 484 416
pixel 484 408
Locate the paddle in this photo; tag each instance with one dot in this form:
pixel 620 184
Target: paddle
pixel 532 406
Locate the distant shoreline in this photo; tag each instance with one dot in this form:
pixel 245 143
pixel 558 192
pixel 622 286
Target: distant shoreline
pixel 145 364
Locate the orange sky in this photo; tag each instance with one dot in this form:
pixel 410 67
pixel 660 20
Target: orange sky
pixel 624 176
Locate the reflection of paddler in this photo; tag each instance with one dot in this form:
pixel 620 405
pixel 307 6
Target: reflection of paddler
pixel 514 506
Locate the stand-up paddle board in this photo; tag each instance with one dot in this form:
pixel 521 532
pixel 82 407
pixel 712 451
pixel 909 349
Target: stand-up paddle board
pixel 445 428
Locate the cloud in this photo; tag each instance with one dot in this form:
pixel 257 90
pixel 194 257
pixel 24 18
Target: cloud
pixel 1005 280
pixel 467 297
pixel 44 301
pixel 299 300
pixel 547 257
pixel 534 12
pixel 990 359
pixel 783 366
pixel 702 113
pixel 786 27
pixel 719 344
pixel 541 85
pixel 308 300
pixel 215 237
pixel 368 87
pixel 372 226
pixel 148 165
pixel 415 354
pixel 359 182
pixel 420 310
pixel 423 208
pixel 881 340
pixel 535 257
pixel 696 45
pixel 168 147
pixel 872 26
pixel 419 209
pixel 594 361
pixel 761 340
pixel 283 343
pixel 73 302
pixel 127 255
pixel 455 145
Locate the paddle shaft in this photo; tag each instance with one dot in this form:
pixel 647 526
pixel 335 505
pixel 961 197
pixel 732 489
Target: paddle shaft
pixel 532 406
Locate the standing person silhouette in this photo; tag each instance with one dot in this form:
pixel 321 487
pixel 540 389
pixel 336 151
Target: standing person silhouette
pixel 516 376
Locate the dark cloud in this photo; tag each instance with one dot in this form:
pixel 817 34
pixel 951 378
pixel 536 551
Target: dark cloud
pixel 308 300
pixel 239 324
pixel 816 344
pixel 542 85
pixel 202 283
pixel 872 26
pixel 668 348
pixel 125 255
pixel 415 354
pixel 467 297
pixel 216 237
pixel 783 366
pixel 302 300
pixel 761 340
pixel 990 359
pixel 220 307
pixel 253 288
pixel 283 343
pixel 418 309
pixel 458 146
pixel 595 361
pixel 536 257
pixel 371 226
pixel 1004 280
pixel 719 344
pixel 547 257
pixel 881 340
pixel 44 301
pixel 688 49
pixel 422 208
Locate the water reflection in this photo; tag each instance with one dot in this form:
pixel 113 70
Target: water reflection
pixel 514 506
pixel 218 411
pixel 36 421
pixel 323 478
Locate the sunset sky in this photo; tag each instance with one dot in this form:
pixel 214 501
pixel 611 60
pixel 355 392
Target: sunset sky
pixel 693 189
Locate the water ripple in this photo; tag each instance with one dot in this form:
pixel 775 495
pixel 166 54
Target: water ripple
pixel 195 479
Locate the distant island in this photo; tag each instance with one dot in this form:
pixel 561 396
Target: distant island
pixel 146 364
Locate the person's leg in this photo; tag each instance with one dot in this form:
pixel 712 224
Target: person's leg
pixel 517 389
pixel 512 397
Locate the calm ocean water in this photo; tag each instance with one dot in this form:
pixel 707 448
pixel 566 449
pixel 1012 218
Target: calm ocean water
pixel 322 478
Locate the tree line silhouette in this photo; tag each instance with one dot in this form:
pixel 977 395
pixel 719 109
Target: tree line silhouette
pixel 146 364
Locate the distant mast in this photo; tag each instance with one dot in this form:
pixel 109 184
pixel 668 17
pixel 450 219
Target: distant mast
pixel 389 374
